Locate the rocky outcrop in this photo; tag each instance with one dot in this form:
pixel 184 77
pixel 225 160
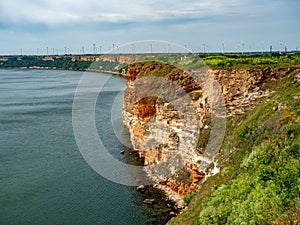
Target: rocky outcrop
pixel 169 118
pixel 164 115
pixel 241 88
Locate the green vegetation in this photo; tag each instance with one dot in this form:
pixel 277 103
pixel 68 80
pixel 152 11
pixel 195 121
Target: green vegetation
pixel 260 170
pixel 237 61
pixel 226 61
pixel 63 63
pixel 187 199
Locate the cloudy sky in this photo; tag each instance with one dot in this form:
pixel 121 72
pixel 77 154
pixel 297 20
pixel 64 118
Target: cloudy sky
pixel 239 24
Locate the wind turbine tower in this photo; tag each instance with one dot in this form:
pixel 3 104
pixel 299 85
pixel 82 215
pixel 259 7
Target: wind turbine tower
pixel 223 48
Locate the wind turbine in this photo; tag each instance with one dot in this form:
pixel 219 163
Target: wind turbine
pixel 280 44
pixel 262 47
pixel 223 48
pixel 243 47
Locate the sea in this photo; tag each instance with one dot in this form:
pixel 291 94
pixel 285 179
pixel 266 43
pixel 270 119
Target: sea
pixel 44 178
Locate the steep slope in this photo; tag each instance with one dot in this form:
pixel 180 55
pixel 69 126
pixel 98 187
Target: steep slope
pixel 163 129
pixel 259 163
pixel 159 131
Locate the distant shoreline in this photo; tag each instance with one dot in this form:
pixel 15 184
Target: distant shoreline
pixel 48 68
pixel 104 64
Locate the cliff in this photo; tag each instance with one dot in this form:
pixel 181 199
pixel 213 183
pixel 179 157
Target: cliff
pixel 259 164
pixel 169 118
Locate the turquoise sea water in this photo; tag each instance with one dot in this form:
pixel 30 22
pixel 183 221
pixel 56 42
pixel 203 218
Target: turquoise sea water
pixel 43 177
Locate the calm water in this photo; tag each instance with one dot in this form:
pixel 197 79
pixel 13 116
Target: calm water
pixel 43 177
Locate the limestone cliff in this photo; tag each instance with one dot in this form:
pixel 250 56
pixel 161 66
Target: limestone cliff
pixel 169 117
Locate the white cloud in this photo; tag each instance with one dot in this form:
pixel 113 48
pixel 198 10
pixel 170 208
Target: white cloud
pixel 61 12
pixel 192 22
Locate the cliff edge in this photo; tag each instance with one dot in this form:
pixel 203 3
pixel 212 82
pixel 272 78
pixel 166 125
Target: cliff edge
pixel 169 118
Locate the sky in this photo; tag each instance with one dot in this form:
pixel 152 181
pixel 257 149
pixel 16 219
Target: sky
pixel 210 25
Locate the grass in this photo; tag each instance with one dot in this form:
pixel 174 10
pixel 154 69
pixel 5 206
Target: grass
pixel 248 61
pixel 259 179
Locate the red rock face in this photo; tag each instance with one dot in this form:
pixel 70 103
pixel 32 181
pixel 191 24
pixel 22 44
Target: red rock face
pixel 145 108
pixel 132 72
pixel 157 127
pixel 189 183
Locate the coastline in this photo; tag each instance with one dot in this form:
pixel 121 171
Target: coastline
pixel 53 68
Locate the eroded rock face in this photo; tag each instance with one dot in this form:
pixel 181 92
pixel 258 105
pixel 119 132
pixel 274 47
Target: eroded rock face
pixel 165 116
pixel 242 87
pixel 169 117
